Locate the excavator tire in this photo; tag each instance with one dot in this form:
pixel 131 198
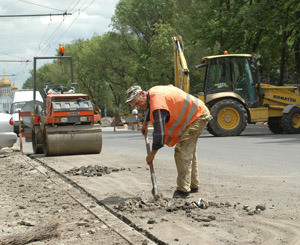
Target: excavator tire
pixel 37 141
pixel 71 140
pixel 291 121
pixel 275 125
pixel 229 118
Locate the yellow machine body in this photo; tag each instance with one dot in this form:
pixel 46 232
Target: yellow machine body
pixel 233 101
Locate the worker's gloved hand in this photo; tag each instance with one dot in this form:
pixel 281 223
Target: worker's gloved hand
pixel 144 129
pixel 150 157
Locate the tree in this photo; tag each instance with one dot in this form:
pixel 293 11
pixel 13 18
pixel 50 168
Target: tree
pixel 269 29
pixel 139 50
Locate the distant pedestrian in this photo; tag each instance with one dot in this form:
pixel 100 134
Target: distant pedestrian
pixel 136 125
pixel 178 118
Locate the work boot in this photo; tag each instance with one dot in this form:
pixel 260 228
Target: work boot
pixel 194 190
pixel 180 194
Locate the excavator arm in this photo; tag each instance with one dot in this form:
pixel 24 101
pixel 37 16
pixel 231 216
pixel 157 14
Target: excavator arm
pixel 182 78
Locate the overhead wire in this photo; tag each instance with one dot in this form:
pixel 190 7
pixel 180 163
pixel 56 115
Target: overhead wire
pixel 40 45
pixel 89 5
pixel 12 55
pixel 44 45
pixel 18 71
pixel 21 63
pixel 71 4
pixel 51 37
pixel 79 12
pixel 22 71
pixel 40 5
pixel 31 15
pixel 75 5
pixel 73 20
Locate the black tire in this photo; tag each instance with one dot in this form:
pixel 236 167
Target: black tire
pixel 36 146
pixel 45 144
pixel 229 118
pixel 291 121
pixel 16 130
pixel 275 125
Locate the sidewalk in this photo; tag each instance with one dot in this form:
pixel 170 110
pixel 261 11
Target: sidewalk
pixel 30 199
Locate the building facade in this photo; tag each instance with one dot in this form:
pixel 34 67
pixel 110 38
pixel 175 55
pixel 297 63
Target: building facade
pixel 6 94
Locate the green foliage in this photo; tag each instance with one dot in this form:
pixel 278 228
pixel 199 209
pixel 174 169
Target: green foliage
pixel 139 50
pixel 266 28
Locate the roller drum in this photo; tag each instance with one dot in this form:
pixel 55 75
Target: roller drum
pixel 70 140
pixel 37 140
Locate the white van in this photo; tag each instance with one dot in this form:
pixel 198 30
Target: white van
pixel 19 99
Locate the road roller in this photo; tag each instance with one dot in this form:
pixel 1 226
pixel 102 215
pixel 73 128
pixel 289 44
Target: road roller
pixel 68 123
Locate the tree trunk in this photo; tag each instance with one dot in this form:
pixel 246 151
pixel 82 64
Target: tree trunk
pixel 282 59
pixel 297 52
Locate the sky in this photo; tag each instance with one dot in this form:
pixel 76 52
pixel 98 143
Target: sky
pixel 23 38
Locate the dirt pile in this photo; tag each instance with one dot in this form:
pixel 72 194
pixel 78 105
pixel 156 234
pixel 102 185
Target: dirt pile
pixel 106 121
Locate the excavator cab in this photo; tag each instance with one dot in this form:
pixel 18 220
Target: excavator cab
pixel 232 74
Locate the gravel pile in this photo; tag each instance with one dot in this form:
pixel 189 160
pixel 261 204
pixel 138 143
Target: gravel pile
pixel 192 209
pixel 165 203
pixel 195 210
pixel 92 170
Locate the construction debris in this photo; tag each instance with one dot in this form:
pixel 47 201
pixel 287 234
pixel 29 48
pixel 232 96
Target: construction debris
pixel 92 171
pixel 41 232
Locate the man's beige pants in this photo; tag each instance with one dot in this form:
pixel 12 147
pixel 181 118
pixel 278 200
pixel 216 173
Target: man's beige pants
pixel 186 154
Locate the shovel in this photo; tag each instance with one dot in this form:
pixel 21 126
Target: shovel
pixel 153 179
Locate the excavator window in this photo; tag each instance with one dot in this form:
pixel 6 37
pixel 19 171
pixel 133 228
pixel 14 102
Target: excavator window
pixel 231 74
pixel 242 78
pixel 217 76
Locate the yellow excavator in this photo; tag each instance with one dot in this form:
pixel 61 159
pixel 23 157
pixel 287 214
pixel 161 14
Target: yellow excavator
pixel 233 93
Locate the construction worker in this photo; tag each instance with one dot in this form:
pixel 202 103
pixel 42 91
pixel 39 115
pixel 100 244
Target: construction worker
pixel 135 113
pixel 178 118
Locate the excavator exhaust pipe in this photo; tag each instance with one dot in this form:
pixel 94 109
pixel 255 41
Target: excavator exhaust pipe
pixel 70 140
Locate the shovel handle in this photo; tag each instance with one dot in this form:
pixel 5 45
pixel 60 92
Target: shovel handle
pixel 148 152
pixel 153 178
pixel 147 144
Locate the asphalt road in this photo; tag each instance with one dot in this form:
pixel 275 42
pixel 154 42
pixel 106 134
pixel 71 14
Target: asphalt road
pixel 256 148
pixel 257 167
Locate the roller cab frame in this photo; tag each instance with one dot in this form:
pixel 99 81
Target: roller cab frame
pixel 68 123
pixel 233 93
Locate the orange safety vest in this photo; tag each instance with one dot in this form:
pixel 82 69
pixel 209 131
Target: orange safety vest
pixel 182 107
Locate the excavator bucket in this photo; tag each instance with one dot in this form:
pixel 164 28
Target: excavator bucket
pixel 69 140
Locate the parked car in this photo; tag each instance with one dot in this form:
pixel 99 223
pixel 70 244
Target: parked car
pixel 7 135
